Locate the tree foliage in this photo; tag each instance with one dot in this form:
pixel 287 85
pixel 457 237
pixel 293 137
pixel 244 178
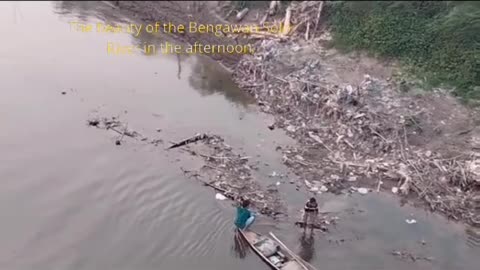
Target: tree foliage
pixel 437 40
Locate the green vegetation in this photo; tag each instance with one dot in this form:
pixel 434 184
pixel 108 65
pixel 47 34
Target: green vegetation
pixel 438 41
pixel 258 4
pixel 251 4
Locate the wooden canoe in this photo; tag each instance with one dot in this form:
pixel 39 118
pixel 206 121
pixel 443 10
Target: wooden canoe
pixel 281 259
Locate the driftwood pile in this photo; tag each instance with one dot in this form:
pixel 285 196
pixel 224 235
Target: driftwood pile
pixel 231 175
pixel 357 134
pixel 121 128
pixel 228 173
pixel 301 19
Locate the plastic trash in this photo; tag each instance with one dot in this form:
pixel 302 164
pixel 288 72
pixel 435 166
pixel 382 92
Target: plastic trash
pixel 220 197
pixel 362 191
pixel 395 190
pixel 308 184
pixel 267 247
pixel 323 189
pixel 411 221
pixel 278 183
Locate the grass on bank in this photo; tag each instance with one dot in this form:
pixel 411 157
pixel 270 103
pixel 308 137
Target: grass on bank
pixel 438 41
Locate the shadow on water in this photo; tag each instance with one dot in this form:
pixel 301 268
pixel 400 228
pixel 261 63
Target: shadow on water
pixel 209 79
pixel 307 246
pixel 240 246
pixel 206 76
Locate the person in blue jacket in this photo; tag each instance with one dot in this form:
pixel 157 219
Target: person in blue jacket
pixel 245 217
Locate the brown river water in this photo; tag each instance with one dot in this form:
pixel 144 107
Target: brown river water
pixel 71 199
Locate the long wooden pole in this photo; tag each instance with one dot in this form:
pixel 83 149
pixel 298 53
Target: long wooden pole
pixel 300 260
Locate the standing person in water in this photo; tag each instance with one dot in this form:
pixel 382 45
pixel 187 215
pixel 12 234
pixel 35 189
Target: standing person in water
pixel 310 213
pixel 245 217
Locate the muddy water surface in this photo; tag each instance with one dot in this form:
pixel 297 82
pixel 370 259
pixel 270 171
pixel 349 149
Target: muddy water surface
pixel 71 199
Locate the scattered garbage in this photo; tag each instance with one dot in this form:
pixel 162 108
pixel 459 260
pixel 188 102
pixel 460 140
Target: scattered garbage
pixel 343 128
pixel 196 138
pixel 406 255
pixel 116 125
pixel 220 197
pixel 362 191
pixel 291 128
pixel 394 190
pixel 323 189
pixel 411 221
pixel 230 174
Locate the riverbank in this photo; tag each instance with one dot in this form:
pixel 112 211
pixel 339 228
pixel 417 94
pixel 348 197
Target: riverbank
pixel 112 199
pixel 376 132
pixel 356 124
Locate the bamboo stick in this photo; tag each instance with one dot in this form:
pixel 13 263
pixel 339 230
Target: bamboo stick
pixel 286 24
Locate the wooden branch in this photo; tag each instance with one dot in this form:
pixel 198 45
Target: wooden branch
pixel 193 139
pixel 271 9
pixel 286 23
pixel 241 14
pixel 320 7
pixel 308 29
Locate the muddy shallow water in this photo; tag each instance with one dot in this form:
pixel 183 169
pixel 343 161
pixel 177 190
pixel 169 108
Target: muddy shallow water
pixel 72 199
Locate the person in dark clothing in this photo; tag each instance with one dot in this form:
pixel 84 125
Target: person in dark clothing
pixel 310 213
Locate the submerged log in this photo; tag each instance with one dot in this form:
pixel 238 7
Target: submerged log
pixel 193 139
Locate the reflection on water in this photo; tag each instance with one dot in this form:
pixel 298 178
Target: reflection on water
pixel 240 246
pixel 208 79
pixel 307 246
pixel 206 76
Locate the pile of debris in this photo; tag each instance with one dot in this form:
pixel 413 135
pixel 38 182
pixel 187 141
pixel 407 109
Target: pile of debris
pixel 231 175
pixel 356 134
pixel 228 172
pixel 280 22
pixel 406 255
pixel 116 125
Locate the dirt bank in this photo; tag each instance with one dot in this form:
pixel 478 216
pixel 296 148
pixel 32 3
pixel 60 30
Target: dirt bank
pixel 359 127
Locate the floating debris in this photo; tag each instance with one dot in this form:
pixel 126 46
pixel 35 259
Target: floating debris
pixel 411 221
pixel 220 197
pixel 406 255
pixel 196 138
pixel 362 191
pixel 231 175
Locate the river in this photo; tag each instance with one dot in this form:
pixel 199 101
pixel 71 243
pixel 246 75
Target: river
pixel 72 199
